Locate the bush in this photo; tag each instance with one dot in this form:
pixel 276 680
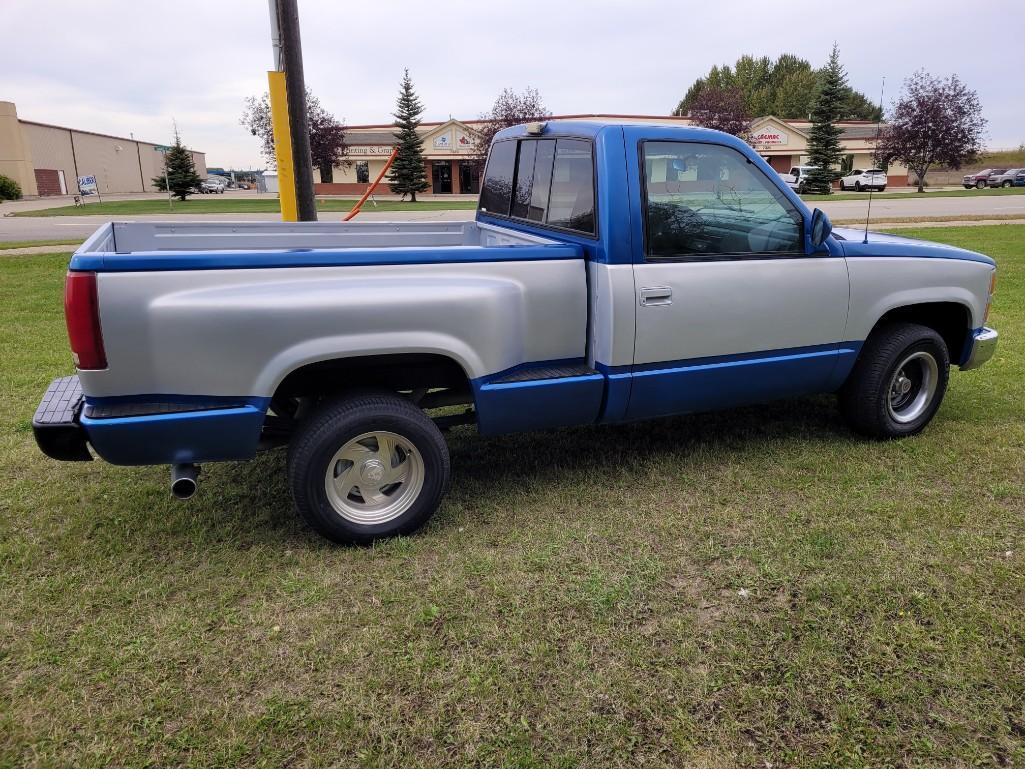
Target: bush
pixel 9 189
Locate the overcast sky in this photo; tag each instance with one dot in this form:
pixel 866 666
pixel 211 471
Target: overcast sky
pixel 120 66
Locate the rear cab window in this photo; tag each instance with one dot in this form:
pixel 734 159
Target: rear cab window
pixel 549 182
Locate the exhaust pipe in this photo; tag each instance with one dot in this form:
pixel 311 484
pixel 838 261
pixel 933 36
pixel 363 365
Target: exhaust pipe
pixel 184 480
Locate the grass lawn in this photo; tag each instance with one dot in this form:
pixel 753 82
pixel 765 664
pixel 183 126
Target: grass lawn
pixel 7 245
pixel 751 588
pixel 210 205
pixel 962 193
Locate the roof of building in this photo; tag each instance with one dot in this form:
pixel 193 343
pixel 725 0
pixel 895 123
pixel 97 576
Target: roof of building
pixel 97 133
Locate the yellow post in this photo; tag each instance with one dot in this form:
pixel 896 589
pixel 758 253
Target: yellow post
pixel 282 146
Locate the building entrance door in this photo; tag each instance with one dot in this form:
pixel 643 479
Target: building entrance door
pixel 469 178
pixel 441 176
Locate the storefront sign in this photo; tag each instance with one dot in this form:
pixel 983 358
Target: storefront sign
pixel 770 137
pixel 369 149
pixel 443 142
pixel 464 141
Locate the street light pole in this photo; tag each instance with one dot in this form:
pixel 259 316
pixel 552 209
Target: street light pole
pixel 290 58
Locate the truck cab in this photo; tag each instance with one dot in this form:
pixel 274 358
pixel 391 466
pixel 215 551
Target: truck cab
pixel 612 273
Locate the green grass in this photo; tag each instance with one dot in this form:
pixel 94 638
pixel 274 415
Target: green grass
pixel 740 589
pixel 231 205
pixel 7 245
pixel 1005 159
pixel 961 193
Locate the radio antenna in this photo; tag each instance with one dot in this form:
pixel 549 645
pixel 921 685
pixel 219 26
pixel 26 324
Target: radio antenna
pixel 879 123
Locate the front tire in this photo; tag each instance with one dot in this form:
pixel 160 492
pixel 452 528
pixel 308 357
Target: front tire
pixel 1005 183
pixel 898 382
pixel 857 186
pixel 368 467
pixel 980 185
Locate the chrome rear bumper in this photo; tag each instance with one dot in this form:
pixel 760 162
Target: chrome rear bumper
pixel 984 344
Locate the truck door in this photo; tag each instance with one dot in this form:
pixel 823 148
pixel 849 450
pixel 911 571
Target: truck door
pixel 730 307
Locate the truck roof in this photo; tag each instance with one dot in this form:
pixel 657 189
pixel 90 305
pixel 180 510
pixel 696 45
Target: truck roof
pixel 592 128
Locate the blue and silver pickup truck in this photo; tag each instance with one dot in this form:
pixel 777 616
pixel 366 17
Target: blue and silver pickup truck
pixel 612 273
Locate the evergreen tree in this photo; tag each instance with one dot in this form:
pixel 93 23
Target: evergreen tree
pixel 181 171
pixel 407 174
pixel 824 138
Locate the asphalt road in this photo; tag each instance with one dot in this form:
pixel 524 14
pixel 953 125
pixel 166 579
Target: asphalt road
pixel 68 227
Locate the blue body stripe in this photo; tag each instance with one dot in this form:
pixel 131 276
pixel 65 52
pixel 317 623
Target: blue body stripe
pixel 191 436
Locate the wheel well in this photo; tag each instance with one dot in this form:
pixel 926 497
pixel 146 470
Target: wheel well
pixel 398 373
pixel 952 321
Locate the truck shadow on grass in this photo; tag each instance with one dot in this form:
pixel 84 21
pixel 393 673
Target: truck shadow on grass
pixel 503 473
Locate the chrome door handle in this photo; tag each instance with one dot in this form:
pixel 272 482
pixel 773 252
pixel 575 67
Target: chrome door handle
pixel 656 295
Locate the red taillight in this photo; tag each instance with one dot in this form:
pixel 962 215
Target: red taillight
pixel 82 312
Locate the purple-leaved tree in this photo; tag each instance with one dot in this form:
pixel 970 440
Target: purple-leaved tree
pixel 936 121
pixel 509 109
pixel 723 109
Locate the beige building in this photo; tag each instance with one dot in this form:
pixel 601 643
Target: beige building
pixel 784 144
pixel 448 147
pixel 48 160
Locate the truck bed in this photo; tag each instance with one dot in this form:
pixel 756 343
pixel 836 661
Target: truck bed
pixel 144 246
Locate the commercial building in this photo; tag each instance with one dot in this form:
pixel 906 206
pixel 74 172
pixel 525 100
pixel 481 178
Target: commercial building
pixel 48 159
pixel 448 150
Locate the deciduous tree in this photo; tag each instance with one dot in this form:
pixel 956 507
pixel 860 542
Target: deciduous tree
pixel 509 109
pixel 181 171
pixel 785 88
pixel 935 122
pixel 327 134
pixel 407 175
pixel 722 109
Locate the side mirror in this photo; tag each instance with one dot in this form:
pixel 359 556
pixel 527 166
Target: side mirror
pixel 820 227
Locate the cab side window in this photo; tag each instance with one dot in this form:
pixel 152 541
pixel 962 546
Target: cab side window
pixel 547 181
pixel 707 201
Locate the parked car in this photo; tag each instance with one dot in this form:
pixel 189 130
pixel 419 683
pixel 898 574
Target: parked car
pixel 1019 179
pixel 872 179
pixel 210 187
pixel 797 177
pixel 613 273
pixel 980 180
pixel 1006 179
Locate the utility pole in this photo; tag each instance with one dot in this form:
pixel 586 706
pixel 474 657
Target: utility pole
pixel 288 115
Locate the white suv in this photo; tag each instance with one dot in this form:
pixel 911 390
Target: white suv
pixel 872 179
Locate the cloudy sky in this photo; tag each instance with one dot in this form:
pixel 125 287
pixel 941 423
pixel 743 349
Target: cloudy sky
pixel 121 66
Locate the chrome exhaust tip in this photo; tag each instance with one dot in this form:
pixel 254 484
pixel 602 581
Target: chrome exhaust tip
pixel 184 480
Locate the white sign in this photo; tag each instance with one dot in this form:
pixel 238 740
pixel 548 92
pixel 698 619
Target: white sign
pixel 770 137
pixel 463 141
pixel 443 142
pixel 87 185
pixel 369 149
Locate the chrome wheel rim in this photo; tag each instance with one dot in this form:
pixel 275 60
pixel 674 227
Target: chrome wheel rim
pixel 374 478
pixel 912 387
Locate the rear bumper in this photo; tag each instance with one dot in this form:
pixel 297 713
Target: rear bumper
pixel 55 425
pixel 131 431
pixel 983 345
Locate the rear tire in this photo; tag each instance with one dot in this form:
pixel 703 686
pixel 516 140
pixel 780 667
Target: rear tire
pixel 1005 183
pixel 367 467
pixel 898 382
pixel 883 188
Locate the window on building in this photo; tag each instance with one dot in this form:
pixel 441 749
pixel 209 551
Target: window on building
pixel 363 172
pixel 704 201
pixel 548 181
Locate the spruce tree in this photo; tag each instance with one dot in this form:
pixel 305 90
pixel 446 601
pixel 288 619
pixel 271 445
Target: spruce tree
pixel 407 175
pixel 181 171
pixel 824 139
